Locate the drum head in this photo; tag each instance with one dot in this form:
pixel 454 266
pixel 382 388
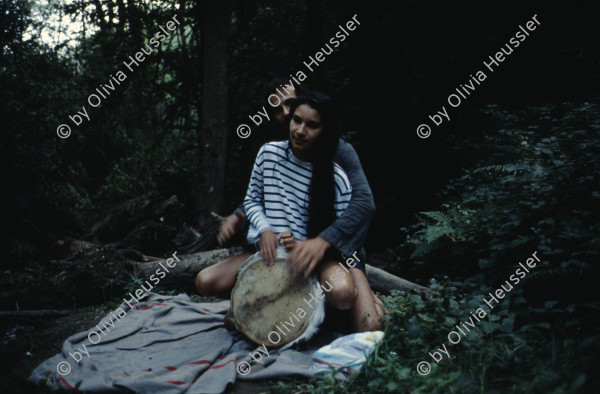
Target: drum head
pixel 273 308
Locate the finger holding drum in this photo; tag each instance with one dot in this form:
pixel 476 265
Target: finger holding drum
pixel 268 246
pixel 283 237
pixel 287 240
pixel 285 234
pixel 289 243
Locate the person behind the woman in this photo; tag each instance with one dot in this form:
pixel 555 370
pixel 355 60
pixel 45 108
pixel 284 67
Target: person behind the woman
pixel 295 191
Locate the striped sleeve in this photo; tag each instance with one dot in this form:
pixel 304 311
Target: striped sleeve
pixel 343 190
pixel 254 204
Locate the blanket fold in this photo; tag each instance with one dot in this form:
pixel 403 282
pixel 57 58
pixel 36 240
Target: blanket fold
pixel 167 344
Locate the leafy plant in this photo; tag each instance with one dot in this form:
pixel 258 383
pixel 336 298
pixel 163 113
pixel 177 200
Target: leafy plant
pixel 543 336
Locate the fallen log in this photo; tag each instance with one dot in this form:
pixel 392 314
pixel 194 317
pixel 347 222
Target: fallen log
pixel 383 282
pixel 185 270
pixel 182 274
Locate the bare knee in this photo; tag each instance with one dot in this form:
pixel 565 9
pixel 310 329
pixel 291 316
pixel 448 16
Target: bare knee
pixel 342 296
pixel 217 280
pixel 205 283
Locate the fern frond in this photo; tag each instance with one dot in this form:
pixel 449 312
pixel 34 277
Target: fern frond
pixel 429 247
pixel 434 232
pixel 494 168
pixel 439 217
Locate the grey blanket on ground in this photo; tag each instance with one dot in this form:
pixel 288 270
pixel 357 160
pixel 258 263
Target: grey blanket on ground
pixel 167 344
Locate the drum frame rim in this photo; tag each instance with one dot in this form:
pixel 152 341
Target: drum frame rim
pixel 317 311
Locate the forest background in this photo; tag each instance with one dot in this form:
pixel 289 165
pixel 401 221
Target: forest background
pixel 515 170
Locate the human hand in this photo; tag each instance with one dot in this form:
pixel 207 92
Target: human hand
pixel 231 225
pixel 268 246
pixel 305 256
pixel 287 240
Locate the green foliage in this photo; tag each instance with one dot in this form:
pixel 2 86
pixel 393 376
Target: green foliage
pixel 514 348
pixel 434 234
pixel 493 168
pixel 144 136
pixel 544 200
pixel 544 335
pixel 440 217
pixel 133 284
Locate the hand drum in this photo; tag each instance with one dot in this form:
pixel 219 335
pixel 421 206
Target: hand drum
pixel 272 307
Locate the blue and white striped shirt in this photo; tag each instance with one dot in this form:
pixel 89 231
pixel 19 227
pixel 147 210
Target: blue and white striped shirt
pixel 277 196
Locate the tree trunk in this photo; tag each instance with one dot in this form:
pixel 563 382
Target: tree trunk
pixel 100 15
pixel 184 272
pixel 135 22
pixel 122 16
pixel 111 15
pixel 215 17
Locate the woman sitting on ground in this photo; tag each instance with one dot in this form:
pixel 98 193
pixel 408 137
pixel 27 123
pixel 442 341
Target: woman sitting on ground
pixel 295 191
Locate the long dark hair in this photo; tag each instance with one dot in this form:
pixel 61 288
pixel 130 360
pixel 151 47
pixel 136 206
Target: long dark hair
pixel 321 212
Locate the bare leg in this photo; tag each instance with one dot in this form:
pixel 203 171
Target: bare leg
pixel 218 280
pixel 337 285
pixel 366 311
pixel 381 309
